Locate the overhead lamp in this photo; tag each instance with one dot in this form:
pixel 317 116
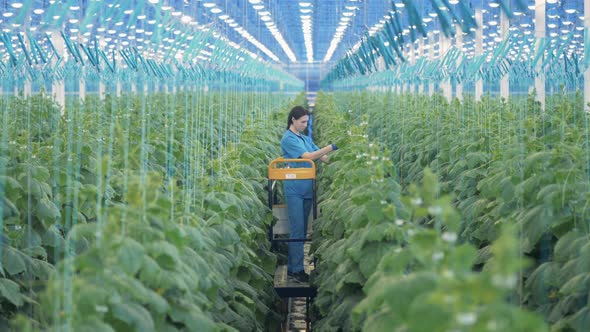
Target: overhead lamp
pixel 207 5
pixel 305 4
pixel 494 4
pixel 305 11
pixel 7 14
pixel 185 19
pixel 305 17
pixel 570 11
pixel 233 25
pixel 351 7
pixel 216 10
pixel 153 1
pixel 17 5
pixel 223 17
pixel 128 11
pixel 399 5
pixel 255 2
pixel 39 11
pixel 264 13
pixel 348 14
pixel 258 7
pixel 552 1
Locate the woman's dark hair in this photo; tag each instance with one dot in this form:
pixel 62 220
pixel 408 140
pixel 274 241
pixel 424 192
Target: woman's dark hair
pixel 296 112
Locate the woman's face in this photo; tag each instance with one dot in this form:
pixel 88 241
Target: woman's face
pixel 301 123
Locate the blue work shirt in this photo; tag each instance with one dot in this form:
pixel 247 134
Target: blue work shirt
pixel 293 146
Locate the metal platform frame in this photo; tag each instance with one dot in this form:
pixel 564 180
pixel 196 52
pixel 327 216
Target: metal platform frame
pixel 280 170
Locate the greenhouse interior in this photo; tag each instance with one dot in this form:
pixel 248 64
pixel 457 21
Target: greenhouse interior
pixel 434 174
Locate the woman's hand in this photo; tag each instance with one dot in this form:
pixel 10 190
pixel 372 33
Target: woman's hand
pixel 325 159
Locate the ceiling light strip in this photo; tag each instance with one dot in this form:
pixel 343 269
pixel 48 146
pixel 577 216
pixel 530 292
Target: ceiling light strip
pixel 306 26
pixel 345 22
pixel 244 33
pixel 275 31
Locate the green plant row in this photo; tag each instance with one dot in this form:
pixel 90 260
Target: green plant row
pixel 380 267
pixel 116 216
pixel 504 163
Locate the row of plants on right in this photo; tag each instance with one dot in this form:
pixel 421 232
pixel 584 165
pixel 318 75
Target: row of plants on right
pixel 506 163
pixel 389 257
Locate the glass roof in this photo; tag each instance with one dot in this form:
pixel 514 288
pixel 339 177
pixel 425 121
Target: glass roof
pixel 280 32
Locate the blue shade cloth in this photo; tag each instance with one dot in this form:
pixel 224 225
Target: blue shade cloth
pixel 293 146
pixel 298 210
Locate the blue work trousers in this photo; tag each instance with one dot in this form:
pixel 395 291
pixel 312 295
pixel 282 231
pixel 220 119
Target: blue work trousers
pixel 298 209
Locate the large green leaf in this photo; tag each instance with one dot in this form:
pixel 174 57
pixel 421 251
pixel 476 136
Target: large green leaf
pixel 8 208
pixel 580 321
pixel 53 238
pixel 535 222
pixel 134 315
pixel 372 254
pixel 11 291
pixel 439 317
pixel 47 212
pixel 383 320
pixel 578 285
pixel 165 254
pixel 13 261
pixel 92 324
pixel 193 319
pixel 130 256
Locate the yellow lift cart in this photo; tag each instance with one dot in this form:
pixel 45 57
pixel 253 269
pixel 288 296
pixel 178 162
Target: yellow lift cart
pixel 280 170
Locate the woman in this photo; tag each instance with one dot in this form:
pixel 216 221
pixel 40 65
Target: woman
pixel 299 193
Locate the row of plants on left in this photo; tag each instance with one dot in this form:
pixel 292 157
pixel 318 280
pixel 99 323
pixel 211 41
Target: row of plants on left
pixel 119 215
